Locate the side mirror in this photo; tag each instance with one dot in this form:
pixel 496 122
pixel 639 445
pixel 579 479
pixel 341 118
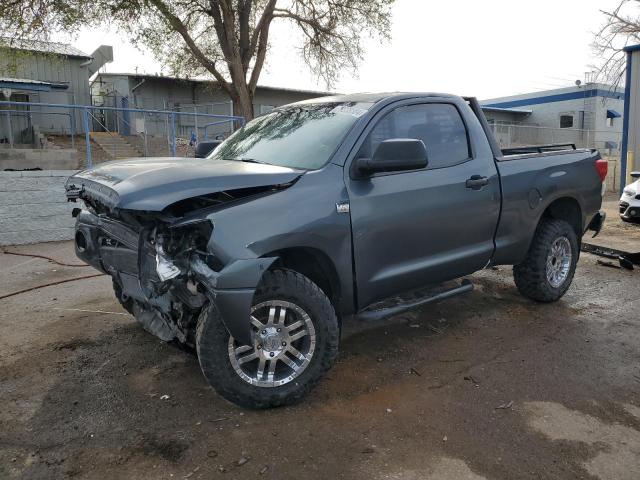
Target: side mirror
pixel 394 155
pixel 635 174
pixel 205 147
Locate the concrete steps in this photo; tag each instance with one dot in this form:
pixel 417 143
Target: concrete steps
pixel 114 145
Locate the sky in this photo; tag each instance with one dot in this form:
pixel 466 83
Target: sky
pixel 485 49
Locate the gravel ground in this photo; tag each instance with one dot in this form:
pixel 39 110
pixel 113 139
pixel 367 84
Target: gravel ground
pixel 487 385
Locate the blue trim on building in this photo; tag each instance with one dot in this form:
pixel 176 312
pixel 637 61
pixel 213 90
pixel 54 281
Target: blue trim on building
pixel 631 48
pixel 40 87
pixel 625 122
pixel 560 97
pixel 613 114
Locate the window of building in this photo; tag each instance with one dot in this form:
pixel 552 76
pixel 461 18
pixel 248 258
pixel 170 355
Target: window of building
pixel 566 121
pixel 266 109
pixel 438 125
pixel 611 116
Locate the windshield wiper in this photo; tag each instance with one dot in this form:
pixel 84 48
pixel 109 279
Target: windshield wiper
pixel 246 160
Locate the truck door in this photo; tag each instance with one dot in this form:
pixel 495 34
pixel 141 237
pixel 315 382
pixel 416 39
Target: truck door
pixel 424 226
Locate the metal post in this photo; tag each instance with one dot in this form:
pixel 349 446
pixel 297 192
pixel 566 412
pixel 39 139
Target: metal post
pixel 172 138
pixel 625 124
pixel 87 135
pixel 146 146
pixel 10 129
pixel 33 136
pixel 72 121
pixel 195 119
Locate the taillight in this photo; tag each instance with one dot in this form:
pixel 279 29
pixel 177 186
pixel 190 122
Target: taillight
pixel 602 167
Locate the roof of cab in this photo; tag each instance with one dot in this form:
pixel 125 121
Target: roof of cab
pixel 372 97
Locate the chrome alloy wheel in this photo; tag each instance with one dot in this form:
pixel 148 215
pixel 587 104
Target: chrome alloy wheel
pixel 284 342
pixel 559 262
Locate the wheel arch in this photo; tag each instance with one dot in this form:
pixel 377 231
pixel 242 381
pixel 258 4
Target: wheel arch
pixel 567 209
pixel 314 264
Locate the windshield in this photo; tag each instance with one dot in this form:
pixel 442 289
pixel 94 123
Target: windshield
pixel 298 136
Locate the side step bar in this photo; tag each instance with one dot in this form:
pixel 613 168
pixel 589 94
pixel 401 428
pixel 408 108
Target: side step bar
pixel 382 313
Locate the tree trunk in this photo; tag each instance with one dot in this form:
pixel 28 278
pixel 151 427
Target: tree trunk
pixel 243 105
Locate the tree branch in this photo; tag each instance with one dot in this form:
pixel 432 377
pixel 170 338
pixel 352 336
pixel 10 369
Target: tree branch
pixel 181 29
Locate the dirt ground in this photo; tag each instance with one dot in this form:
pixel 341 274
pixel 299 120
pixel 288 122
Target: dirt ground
pixel 485 386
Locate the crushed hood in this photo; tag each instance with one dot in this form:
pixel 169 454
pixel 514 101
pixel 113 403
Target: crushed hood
pixel 152 184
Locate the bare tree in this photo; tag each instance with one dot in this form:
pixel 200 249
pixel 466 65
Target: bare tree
pixel 621 28
pixel 224 39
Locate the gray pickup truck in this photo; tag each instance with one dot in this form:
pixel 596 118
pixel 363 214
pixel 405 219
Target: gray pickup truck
pixel 316 213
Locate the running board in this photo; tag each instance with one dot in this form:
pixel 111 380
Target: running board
pixel 382 313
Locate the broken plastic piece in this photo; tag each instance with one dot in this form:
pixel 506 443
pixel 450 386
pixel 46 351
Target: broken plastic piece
pixel 165 268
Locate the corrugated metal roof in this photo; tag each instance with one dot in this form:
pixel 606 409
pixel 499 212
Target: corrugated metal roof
pixel 44 47
pixel 204 80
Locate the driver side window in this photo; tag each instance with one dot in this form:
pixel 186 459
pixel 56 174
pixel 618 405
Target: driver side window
pixel 438 125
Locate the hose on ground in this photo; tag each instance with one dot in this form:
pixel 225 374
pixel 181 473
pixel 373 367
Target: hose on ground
pixel 53 260
pixel 50 284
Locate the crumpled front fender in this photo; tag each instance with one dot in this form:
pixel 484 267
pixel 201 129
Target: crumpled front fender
pixel 232 289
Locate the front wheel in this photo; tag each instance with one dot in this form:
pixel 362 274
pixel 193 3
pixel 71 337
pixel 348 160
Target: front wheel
pixel 296 336
pixel 546 273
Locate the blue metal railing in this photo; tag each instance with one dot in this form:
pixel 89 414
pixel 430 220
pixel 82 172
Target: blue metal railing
pixel 86 114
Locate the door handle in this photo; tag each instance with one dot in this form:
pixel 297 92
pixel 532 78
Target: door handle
pixel 476 182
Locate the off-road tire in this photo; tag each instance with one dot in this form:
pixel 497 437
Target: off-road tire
pixel 126 302
pixel 212 343
pixel 530 275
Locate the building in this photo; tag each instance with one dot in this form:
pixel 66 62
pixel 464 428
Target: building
pixel 44 72
pixel 588 115
pixel 156 92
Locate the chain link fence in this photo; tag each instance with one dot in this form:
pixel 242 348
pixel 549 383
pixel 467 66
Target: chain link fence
pixel 75 136
pixel 517 135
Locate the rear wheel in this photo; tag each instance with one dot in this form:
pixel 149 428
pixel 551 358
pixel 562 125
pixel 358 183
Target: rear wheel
pixel 295 341
pixel 547 272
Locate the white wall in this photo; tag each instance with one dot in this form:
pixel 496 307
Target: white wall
pixel 34 208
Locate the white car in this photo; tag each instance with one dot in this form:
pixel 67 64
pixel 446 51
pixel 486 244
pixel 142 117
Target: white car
pixel 630 200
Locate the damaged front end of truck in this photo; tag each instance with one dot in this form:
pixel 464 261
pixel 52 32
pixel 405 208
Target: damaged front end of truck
pixel 161 260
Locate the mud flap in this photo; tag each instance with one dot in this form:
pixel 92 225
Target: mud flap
pixel 597 222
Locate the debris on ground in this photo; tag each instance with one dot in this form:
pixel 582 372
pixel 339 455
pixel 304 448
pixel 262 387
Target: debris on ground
pixel 505 406
pixel 389 410
pixel 242 461
pixel 263 470
pixel 189 475
pixel 469 378
pixel 221 419
pixel 607 264
pixel 626 259
pixel 165 397
pixel 413 371
pixel 435 329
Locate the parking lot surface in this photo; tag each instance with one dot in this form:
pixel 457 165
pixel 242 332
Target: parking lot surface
pixel 485 386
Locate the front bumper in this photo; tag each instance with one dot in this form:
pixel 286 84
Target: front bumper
pixel 116 249
pixel 629 210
